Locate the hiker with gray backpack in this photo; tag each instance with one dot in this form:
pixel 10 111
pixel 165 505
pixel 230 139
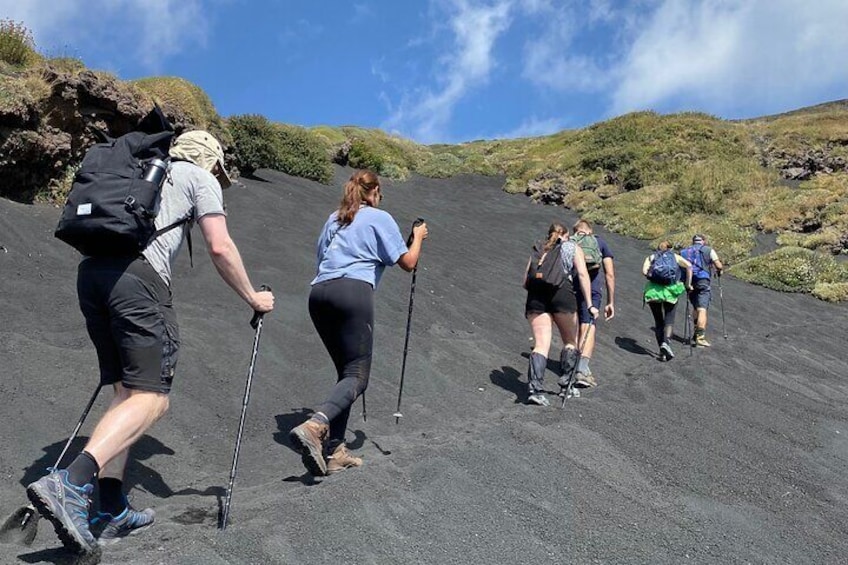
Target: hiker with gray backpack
pixel 662 291
pixel 704 259
pixel 129 211
pixel 599 258
pixel 553 266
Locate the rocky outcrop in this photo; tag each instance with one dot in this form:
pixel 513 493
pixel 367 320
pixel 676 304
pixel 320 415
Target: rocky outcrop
pixel 803 163
pixel 43 139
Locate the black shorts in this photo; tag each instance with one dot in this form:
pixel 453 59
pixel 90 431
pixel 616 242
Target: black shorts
pixel 131 321
pixel 542 299
pixel 700 294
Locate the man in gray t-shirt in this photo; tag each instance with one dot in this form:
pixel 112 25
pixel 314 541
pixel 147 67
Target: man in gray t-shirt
pixel 131 321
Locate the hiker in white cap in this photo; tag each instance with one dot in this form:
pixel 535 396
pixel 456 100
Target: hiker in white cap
pixel 127 305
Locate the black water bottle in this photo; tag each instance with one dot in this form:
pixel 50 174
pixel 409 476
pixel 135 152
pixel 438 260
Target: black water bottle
pixel 154 171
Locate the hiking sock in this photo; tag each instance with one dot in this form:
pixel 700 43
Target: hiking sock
pixel 321 417
pixel 583 365
pixel 112 500
pixel 82 470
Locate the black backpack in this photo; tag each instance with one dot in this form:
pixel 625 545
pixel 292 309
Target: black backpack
pixel 111 208
pixel 664 269
pixel 546 267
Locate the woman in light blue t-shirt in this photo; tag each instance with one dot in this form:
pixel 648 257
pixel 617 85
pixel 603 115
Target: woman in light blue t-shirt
pixel 357 243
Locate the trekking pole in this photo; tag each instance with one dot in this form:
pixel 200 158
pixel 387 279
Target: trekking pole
pixel 364 410
pixel 22 519
pixel 255 323
pixel 721 303
pixel 569 390
pixel 398 415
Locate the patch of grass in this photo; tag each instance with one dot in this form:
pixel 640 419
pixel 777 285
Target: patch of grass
pixel 57 189
pixel 831 292
pixel 791 269
pixel 70 65
pixel 17 47
pixel 178 97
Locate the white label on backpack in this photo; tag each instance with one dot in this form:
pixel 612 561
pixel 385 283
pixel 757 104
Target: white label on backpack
pixel 84 209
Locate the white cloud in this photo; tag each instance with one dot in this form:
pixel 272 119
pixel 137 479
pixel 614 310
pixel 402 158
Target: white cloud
pixel 475 26
pixel 722 55
pixel 145 30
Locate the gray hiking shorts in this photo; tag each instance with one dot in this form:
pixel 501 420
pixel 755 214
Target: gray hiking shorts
pixel 131 321
pixel 700 294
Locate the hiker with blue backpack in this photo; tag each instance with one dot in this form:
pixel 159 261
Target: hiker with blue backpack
pixel 703 259
pixel 662 291
pixel 551 299
pixel 125 297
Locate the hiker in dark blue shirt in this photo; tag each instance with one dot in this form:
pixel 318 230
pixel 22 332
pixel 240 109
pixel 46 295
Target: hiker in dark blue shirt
pixel 599 258
pixel 703 259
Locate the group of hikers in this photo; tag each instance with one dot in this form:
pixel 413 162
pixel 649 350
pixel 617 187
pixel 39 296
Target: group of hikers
pixel 564 270
pixel 127 305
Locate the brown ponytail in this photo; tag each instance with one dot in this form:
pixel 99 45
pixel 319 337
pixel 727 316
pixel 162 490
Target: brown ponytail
pixel 355 190
pixel 555 232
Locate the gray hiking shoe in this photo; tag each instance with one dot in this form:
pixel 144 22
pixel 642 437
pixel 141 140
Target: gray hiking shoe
pixel 586 380
pixel 110 529
pixel 66 507
pixel 666 354
pixel 538 398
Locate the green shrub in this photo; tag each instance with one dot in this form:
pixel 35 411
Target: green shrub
pixel 395 172
pixel 791 269
pixel 363 156
pixel 302 154
pixel 255 140
pixel 16 45
pixel 831 292
pixel 441 165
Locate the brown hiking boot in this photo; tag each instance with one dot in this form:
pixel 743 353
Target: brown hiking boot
pixel 585 380
pixel 342 459
pixel 309 439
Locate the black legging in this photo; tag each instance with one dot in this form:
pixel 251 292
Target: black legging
pixel 663 320
pixel 343 313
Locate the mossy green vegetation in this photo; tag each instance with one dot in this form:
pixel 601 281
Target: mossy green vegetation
pixel 643 174
pixel 17 48
pixel 178 96
pixel 293 150
pixel 794 269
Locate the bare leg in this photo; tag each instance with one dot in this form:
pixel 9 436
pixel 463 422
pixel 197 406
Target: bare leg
pixel 701 318
pixel 130 415
pixel 541 324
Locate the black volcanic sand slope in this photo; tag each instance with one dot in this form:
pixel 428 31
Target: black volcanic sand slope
pixel 734 454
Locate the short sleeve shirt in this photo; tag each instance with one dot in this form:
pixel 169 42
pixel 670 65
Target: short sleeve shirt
pixel 189 191
pixel 594 275
pixel 361 250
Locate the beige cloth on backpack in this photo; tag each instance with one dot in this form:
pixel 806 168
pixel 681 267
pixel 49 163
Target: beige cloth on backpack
pixel 201 148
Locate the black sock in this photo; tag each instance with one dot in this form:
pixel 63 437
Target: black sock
pixel 81 471
pixel 112 499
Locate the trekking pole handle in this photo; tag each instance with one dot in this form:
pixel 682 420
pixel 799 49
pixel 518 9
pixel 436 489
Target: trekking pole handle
pixel 415 224
pixel 257 316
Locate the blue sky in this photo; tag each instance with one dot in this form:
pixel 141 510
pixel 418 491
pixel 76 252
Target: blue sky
pixel 458 70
